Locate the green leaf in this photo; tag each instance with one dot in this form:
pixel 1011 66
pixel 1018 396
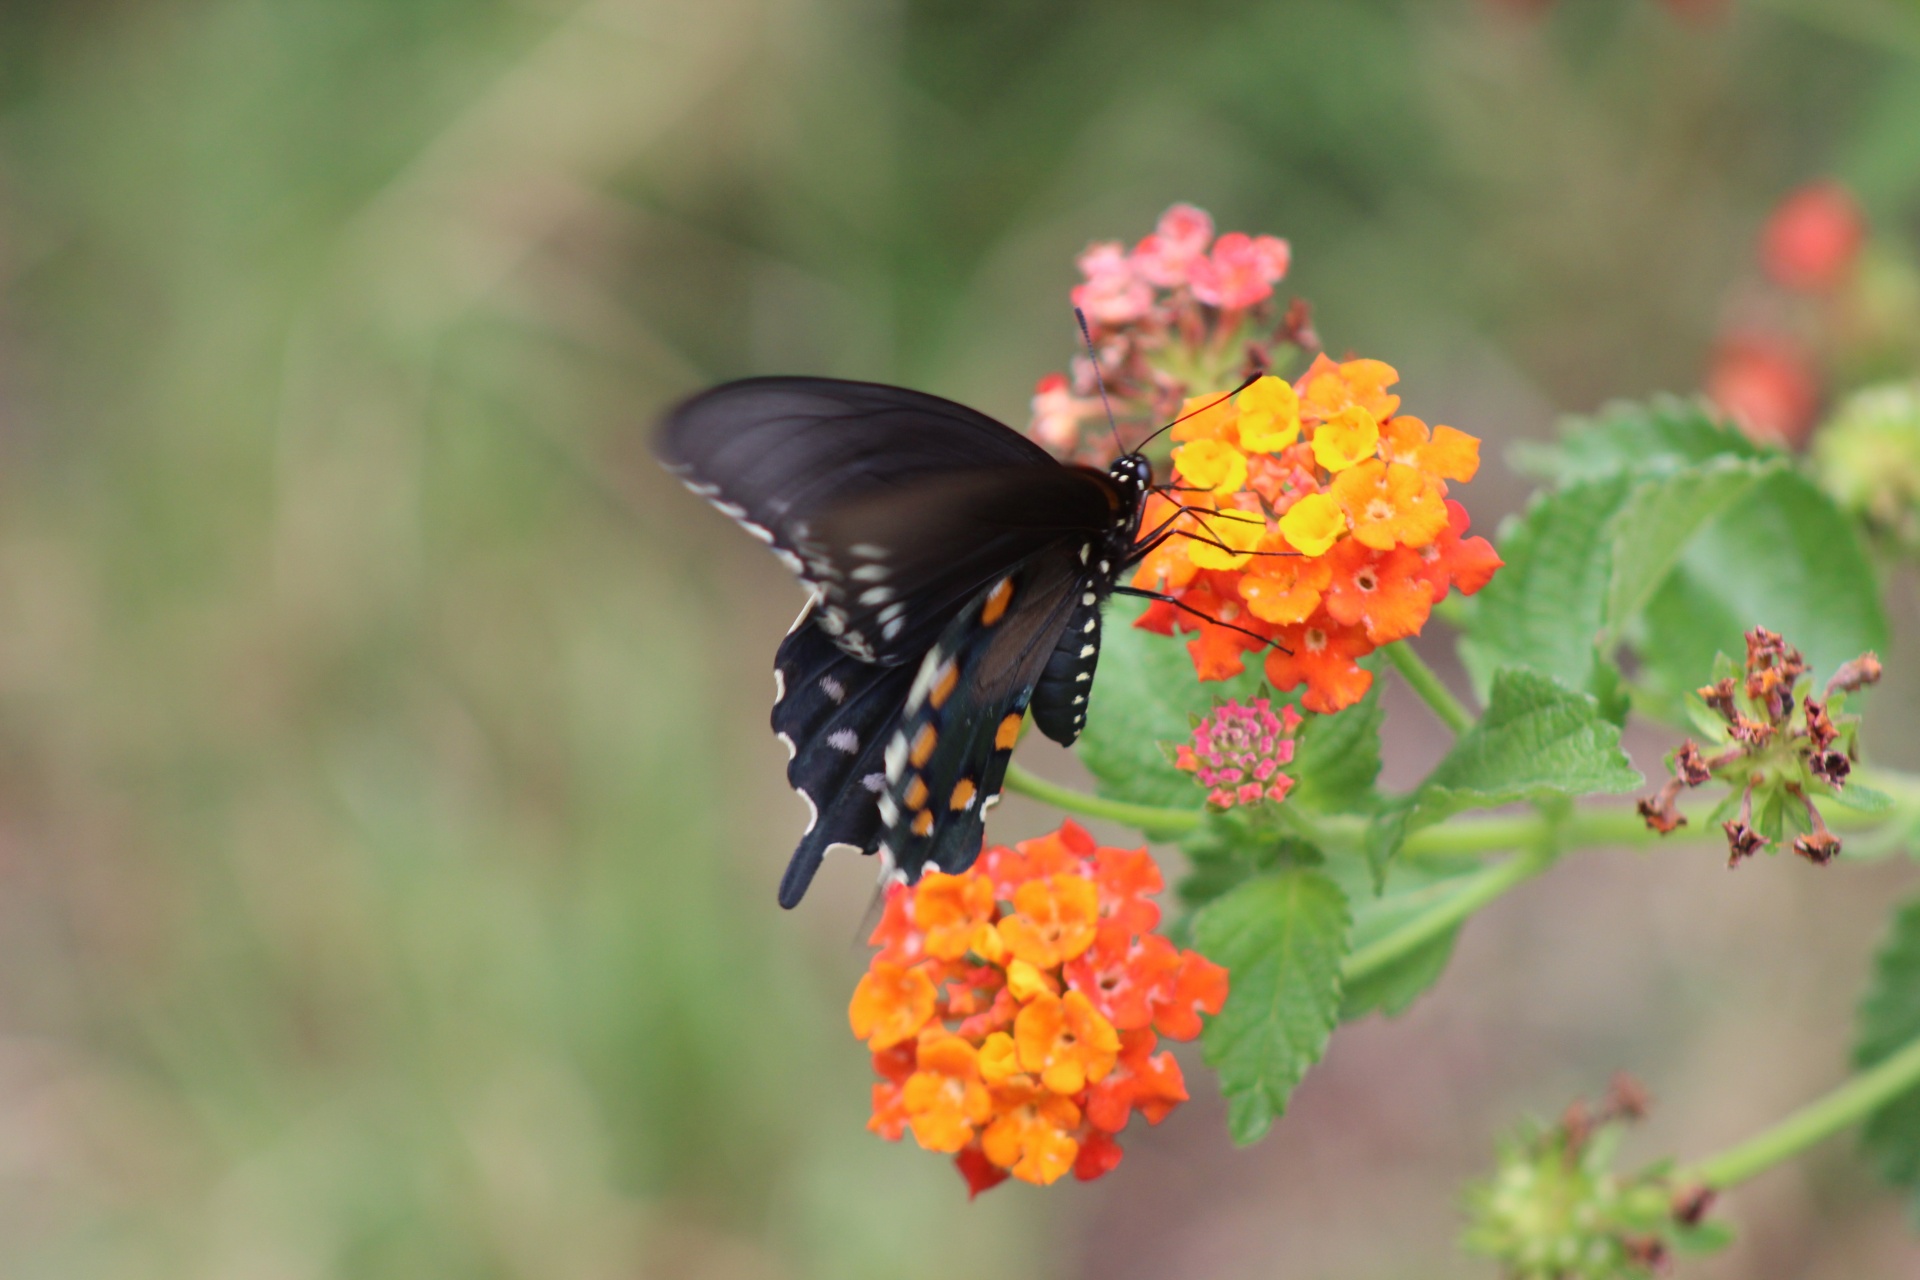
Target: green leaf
pixel 1546 608
pixel 1338 758
pixel 1859 798
pixel 1237 845
pixel 1392 989
pixel 1282 939
pixel 1536 739
pixel 1663 432
pixel 1146 694
pixel 1656 522
pixel 1889 1019
pixel 1784 558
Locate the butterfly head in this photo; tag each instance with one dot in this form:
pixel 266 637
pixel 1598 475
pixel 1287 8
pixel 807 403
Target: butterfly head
pixel 1132 472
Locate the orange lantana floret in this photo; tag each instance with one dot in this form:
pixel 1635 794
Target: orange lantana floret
pixel 994 1056
pixel 1443 452
pixel 1065 1041
pixel 1032 1134
pixel 1284 588
pixel 946 1097
pixel 1327 388
pixel 955 912
pixel 1054 922
pixel 891 1004
pixel 1320 653
pixel 1391 504
pixel 1384 592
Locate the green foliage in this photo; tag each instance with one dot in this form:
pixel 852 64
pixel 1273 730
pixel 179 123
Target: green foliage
pixel 1661 433
pixel 1282 937
pixel 1545 609
pixel 1537 739
pixel 1889 1020
pixel 1414 891
pixel 1785 558
pixel 1674 534
pixel 1338 758
pixel 1148 697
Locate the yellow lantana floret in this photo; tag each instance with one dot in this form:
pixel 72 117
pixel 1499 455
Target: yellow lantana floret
pixel 1212 464
pixel 1313 524
pixel 1347 438
pixel 1269 415
pixel 1225 539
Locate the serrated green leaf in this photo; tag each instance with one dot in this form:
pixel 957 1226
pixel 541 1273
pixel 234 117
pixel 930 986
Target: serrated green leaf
pixel 1889 1019
pixel 1417 889
pixel 1658 519
pixel 1537 738
pixel 1860 799
pixel 1338 758
pixel 1661 433
pixel 1229 848
pixel 1282 938
pixel 1545 609
pixel 1784 558
pixel 1145 694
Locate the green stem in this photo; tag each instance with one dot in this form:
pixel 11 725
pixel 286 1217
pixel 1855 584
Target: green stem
pixel 1421 679
pixel 1852 1102
pixel 1149 819
pixel 1459 837
pixel 1478 890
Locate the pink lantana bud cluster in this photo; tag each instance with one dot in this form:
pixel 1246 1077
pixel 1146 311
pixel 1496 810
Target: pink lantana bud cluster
pixel 1238 750
pixel 1182 312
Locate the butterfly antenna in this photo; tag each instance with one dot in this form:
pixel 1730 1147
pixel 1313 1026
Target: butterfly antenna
pixel 1219 399
pixel 1086 335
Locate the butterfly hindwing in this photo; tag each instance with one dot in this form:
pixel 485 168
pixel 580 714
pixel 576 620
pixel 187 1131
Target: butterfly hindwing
pixel 835 714
pixel 946 762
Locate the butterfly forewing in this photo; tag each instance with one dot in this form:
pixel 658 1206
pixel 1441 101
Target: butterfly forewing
pixel 894 506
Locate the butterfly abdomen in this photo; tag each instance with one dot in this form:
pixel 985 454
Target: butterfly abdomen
pixel 1060 698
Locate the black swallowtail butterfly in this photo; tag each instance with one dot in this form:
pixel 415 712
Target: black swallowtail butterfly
pixel 957 573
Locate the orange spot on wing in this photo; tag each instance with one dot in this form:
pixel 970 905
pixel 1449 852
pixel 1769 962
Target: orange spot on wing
pixel 916 795
pixel 997 602
pixel 1008 733
pixel 923 745
pixel 943 687
pixel 923 822
pixel 962 794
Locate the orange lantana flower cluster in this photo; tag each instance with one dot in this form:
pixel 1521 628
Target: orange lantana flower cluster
pixel 1320 520
pixel 1013 1011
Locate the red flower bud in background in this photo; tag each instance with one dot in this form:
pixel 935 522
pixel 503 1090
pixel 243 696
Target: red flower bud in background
pixel 1766 384
pixel 1813 237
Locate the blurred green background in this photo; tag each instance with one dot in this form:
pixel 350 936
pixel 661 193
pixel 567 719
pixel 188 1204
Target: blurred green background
pixel 388 822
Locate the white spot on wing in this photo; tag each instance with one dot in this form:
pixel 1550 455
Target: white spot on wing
pixel 1087 651
pixel 1091 624
pixel 1088 598
pixel 876 595
pixel 844 740
pixel 835 691
pixel 893 628
pixel 867 551
pixel 896 757
pixel 1084 675
pixel 870 573
pixel 889 811
pixel 875 782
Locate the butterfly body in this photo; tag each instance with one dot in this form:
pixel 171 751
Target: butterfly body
pixel 956 573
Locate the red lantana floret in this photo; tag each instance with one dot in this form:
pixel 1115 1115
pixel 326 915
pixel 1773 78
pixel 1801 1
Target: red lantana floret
pixel 1014 1012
